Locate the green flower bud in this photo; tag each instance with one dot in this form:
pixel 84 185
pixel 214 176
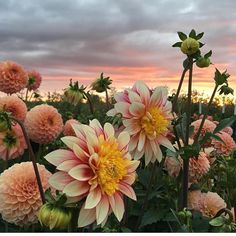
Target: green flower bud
pixel 203 62
pixel 190 46
pixel 54 217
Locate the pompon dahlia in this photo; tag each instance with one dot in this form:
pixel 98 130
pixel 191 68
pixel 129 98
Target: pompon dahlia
pixel 68 130
pixel 228 130
pixel 14 105
pixel 34 80
pixel 211 204
pixel 146 117
pixel 224 148
pixel 19 195
pixel 97 166
pixel 43 124
pixel 198 167
pixel 195 199
pixel 12 142
pixel 208 126
pixel 173 166
pixel 13 77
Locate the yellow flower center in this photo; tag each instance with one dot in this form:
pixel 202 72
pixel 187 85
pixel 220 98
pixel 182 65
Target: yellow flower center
pixel 153 122
pixel 112 167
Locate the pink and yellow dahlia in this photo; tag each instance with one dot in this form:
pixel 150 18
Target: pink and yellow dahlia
pixel 224 148
pixel 12 143
pixel 19 195
pixel 97 167
pixel 68 129
pixel 146 117
pixel 14 105
pixel 13 77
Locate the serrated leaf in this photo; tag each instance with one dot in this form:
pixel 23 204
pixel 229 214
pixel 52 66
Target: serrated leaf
pixel 178 44
pixel 199 36
pixel 150 217
pixel 219 79
pixel 192 34
pixel 182 36
pixel 218 221
pixel 224 123
pixel 208 54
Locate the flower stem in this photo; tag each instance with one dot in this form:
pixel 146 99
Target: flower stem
pixel 107 98
pixel 205 114
pixel 87 95
pixel 33 159
pixel 186 141
pixel 26 95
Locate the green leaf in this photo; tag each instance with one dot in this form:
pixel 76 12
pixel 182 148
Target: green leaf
pixel 219 78
pixel 182 36
pixel 178 44
pixel 209 135
pixel 218 221
pixel 224 123
pixel 199 36
pixel 192 34
pixel 208 54
pixel 201 44
pixel 151 216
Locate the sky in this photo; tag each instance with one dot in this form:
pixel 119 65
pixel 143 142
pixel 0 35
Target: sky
pixel 128 40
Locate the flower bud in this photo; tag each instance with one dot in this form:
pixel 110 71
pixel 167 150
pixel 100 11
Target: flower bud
pixel 203 62
pixel 54 217
pixel 190 46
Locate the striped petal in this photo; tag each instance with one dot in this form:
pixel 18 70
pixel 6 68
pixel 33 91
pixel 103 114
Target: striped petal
pixel 81 172
pixel 93 198
pixel 59 180
pixel 102 209
pixel 69 141
pixel 76 188
pixel 109 130
pixel 117 205
pixel 123 140
pixel 68 165
pixel 86 216
pixel 137 109
pixel 166 143
pixel 123 108
pixel 127 190
pixel 141 142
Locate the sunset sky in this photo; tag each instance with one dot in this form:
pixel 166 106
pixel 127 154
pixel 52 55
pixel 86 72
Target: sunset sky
pixel 128 40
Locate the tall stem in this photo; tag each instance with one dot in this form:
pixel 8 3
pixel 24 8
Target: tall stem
pixel 186 141
pixel 205 114
pixel 179 89
pixel 90 102
pixel 107 99
pixel 33 159
pixel 26 94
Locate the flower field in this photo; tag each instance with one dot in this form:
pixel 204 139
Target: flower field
pixel 139 160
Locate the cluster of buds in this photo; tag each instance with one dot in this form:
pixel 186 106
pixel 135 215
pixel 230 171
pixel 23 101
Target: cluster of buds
pixel 222 79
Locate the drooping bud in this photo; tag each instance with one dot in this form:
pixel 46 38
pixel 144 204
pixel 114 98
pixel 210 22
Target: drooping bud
pixel 203 62
pixel 190 46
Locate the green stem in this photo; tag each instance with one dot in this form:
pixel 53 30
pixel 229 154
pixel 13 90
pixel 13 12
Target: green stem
pixel 26 95
pixel 186 141
pixel 33 159
pixel 205 114
pixel 107 98
pixel 87 95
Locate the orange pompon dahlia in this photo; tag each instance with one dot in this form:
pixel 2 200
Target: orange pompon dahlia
pixel 195 199
pixel 34 80
pixel 224 148
pixel 19 195
pixel 12 143
pixel 13 77
pixel 68 130
pixel 146 117
pixel 173 166
pixel 208 126
pixel 14 105
pixel 43 124
pixel 97 166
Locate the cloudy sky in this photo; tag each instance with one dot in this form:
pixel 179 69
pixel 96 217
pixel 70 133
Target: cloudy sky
pixel 126 39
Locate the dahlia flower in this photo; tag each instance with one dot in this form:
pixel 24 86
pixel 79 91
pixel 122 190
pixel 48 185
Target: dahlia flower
pixel 208 126
pixel 34 80
pixel 13 142
pixel 211 204
pixel 14 105
pixel 173 166
pixel 228 130
pixel 224 148
pixel 146 117
pixel 97 166
pixel 43 124
pixel 195 199
pixel 19 195
pixel 68 130
pixel 13 77
pixel 198 167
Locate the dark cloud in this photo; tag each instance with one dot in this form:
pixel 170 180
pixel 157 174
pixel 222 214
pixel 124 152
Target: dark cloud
pixel 63 38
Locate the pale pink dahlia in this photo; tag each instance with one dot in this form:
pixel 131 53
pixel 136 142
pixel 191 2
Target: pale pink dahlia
pixel 208 126
pixel 19 195
pixel 146 117
pixel 211 204
pixel 198 167
pixel 43 124
pixel 224 148
pixel 97 166
pixel 228 130
pixel 14 105
pixel 68 130
pixel 13 77
pixel 12 143
pixel 173 166
pixel 34 80
pixel 195 199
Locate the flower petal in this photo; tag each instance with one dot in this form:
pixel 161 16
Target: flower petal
pixel 69 141
pixel 141 142
pixel 127 190
pixel 93 198
pixel 76 188
pixel 123 140
pixel 86 216
pixel 137 109
pixel 68 165
pixel 133 166
pixel 166 143
pixel 81 172
pixel 117 205
pixel 102 209
pixel 143 91
pixel 109 130
pixel 123 108
pixel 59 180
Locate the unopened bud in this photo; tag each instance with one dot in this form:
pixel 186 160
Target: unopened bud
pixel 190 46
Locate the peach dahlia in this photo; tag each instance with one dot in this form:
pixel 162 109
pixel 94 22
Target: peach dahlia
pixel 97 166
pixel 146 117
